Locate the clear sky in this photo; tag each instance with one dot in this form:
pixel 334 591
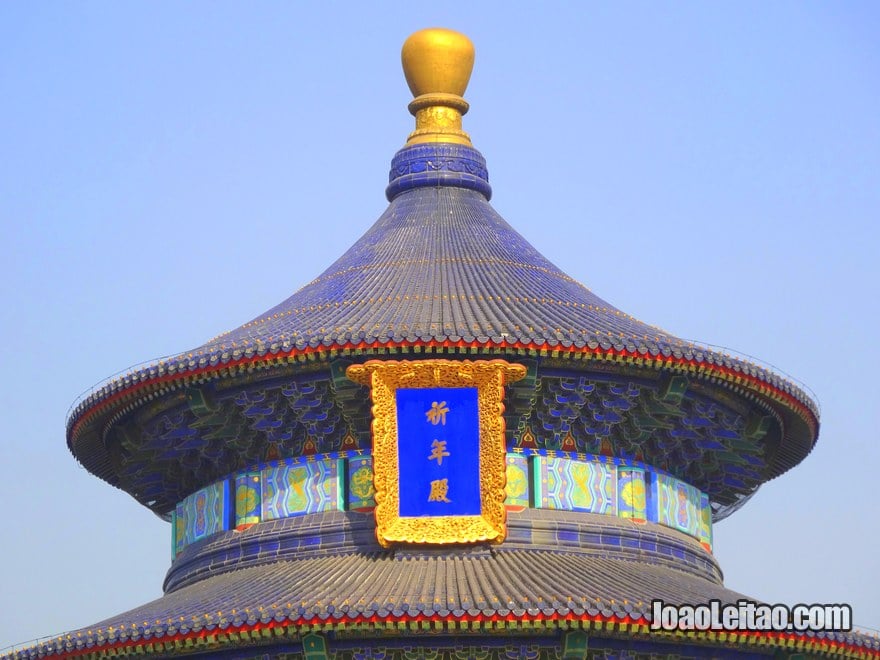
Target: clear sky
pixel 170 170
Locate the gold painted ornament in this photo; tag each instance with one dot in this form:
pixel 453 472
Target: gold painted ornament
pixel 385 379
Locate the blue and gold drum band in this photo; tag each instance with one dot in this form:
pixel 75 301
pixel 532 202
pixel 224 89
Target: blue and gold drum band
pixel 539 479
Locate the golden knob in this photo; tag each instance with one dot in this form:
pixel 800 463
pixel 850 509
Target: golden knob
pixel 437 60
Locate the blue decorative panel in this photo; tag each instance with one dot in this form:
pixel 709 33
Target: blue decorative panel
pixel 678 505
pixel 631 502
pixel 175 534
pixel 205 512
pixel 361 494
pixel 554 480
pixel 577 485
pixel 438 435
pixel 517 488
pixel 296 488
pixel 248 490
pixel 652 497
pixel 705 521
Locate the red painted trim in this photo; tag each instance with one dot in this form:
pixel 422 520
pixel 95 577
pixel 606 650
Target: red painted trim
pixel 778 638
pixel 754 382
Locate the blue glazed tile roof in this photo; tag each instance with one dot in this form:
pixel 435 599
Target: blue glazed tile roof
pixel 334 590
pixel 353 582
pixel 452 583
pixel 441 265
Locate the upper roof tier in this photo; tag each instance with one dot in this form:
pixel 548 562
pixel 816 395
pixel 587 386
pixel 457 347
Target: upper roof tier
pixel 441 268
pixel 441 265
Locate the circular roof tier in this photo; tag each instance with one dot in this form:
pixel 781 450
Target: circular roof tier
pixel 490 591
pixel 439 272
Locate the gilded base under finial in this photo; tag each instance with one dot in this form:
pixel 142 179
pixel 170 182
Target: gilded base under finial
pixel 438 119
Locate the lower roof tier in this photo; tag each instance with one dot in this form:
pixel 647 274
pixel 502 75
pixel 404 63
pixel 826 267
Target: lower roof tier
pixel 716 435
pixel 349 587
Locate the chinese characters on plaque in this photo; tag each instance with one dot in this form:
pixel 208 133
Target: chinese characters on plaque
pixel 438 451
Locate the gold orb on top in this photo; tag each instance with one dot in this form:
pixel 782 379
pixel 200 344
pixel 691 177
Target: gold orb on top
pixel 437 61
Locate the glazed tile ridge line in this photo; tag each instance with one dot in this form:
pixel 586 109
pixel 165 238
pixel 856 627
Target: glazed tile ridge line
pixel 429 588
pixel 470 261
pixel 601 582
pixel 572 323
pixel 485 283
pixel 377 595
pixel 670 582
pixel 530 277
pixel 175 380
pixel 547 585
pixel 689 350
pixel 481 590
pixel 497 581
pixel 390 589
pixel 343 576
pixel 454 580
pixel 515 563
pixel 277 314
pixel 624 624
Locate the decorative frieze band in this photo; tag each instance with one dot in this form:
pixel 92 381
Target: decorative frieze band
pixel 343 481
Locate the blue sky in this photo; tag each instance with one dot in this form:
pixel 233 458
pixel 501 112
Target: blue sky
pixel 171 170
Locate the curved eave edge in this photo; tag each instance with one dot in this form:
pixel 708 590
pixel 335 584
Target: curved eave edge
pixel 122 396
pixel 152 379
pixel 191 636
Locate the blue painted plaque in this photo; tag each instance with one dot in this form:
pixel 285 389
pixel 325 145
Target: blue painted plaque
pixel 438 450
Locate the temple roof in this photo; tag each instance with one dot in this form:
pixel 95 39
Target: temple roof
pixel 453 585
pixel 326 573
pixel 441 268
pixel 441 265
pixel 599 587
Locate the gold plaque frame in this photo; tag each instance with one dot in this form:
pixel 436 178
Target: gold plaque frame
pixel 384 378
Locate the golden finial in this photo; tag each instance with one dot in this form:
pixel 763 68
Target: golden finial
pixel 437 64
